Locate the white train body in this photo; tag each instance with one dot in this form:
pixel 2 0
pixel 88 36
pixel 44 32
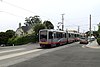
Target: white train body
pixel 51 38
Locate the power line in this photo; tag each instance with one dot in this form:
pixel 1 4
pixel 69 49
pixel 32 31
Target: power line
pixel 17 6
pixel 1 0
pixel 21 8
pixel 32 11
pixel 12 14
pixel 80 19
pixel 76 25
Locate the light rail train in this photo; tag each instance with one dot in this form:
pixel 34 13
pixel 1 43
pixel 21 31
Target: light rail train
pixel 52 38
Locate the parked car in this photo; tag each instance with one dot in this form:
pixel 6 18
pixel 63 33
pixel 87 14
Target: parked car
pixel 83 40
pixel 2 45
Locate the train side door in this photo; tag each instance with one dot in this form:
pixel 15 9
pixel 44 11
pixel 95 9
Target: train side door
pixel 50 38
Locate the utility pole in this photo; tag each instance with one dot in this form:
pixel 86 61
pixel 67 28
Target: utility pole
pixel 62 22
pixel 94 28
pixel 90 25
pixel 78 29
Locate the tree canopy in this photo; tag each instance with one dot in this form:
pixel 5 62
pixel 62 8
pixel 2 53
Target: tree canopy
pixel 4 36
pixel 10 33
pixel 38 27
pixel 48 25
pixel 99 28
pixel 36 23
pixel 31 21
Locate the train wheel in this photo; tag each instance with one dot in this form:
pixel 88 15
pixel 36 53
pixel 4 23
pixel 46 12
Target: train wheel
pixel 57 45
pixel 53 45
pixel 43 46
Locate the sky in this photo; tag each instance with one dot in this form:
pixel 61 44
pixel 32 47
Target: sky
pixel 76 13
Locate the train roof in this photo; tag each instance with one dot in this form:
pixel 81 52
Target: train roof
pixel 51 30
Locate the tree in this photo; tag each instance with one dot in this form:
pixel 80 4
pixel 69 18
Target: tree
pixel 48 25
pixel 31 21
pixel 99 28
pixel 10 33
pixel 38 27
pixel 95 33
pixel 3 38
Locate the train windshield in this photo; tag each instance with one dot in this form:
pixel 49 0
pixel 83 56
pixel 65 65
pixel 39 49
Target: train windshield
pixel 43 36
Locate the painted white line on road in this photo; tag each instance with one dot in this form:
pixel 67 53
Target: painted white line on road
pixel 18 54
pixel 12 50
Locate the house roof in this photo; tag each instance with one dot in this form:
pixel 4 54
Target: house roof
pixel 26 28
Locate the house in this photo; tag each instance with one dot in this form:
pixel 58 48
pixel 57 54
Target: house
pixel 23 30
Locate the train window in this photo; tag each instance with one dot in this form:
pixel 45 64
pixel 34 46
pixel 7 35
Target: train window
pixel 69 35
pixel 75 35
pixel 50 35
pixel 78 35
pixel 55 35
pixel 60 35
pixel 65 35
pixel 43 34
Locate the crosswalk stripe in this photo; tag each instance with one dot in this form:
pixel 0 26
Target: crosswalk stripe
pixel 12 50
pixel 18 54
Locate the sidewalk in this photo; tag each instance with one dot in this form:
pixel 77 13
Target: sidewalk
pixel 93 44
pixel 34 45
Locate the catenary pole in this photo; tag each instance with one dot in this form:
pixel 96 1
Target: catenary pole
pixel 62 22
pixel 90 25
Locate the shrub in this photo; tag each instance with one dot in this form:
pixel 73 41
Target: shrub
pixel 10 41
pixel 98 41
pixel 23 40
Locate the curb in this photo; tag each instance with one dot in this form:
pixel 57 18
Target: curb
pixel 97 47
pixel 92 44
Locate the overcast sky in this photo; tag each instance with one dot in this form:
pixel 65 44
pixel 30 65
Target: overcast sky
pixel 77 12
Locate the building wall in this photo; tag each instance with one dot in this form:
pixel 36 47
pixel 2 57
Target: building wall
pixel 30 31
pixel 19 32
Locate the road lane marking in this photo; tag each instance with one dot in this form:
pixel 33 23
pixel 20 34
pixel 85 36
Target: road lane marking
pixel 12 50
pixel 18 54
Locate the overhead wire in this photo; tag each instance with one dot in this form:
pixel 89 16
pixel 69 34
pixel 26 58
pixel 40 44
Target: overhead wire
pixel 36 13
pixel 22 8
pixel 80 20
pixel 18 6
pixel 12 14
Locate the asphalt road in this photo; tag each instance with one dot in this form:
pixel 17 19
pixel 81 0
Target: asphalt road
pixel 10 55
pixel 73 55
pixel 31 55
